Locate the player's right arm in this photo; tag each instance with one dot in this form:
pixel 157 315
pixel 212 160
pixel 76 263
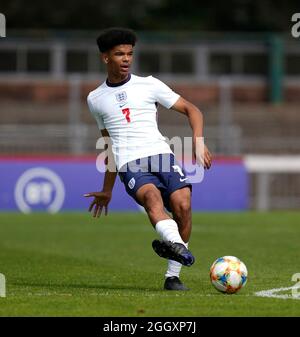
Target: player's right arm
pixel 102 199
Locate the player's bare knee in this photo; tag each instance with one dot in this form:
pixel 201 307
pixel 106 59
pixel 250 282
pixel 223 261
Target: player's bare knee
pixel 151 196
pixel 185 206
pixel 152 200
pixel 182 208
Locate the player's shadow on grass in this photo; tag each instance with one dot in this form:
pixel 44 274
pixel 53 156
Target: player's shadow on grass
pixel 69 286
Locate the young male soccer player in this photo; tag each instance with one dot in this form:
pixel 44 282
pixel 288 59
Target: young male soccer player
pixel 124 107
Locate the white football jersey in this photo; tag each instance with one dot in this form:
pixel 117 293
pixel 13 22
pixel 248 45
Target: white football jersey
pixel 128 111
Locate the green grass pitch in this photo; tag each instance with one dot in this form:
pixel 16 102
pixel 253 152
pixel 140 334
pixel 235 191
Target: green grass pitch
pixel 70 264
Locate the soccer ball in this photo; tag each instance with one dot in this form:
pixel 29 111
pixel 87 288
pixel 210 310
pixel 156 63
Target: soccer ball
pixel 228 274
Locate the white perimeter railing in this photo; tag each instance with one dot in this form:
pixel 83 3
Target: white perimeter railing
pixel 266 168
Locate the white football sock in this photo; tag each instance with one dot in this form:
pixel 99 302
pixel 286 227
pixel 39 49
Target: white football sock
pixel 174 267
pixel 168 230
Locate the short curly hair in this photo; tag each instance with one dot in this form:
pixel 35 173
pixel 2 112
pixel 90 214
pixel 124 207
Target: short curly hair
pixel 112 37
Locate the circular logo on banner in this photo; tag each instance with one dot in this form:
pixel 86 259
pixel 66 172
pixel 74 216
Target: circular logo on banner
pixel 39 189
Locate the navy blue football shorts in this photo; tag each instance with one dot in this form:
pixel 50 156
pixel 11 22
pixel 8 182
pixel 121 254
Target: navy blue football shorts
pixel 161 170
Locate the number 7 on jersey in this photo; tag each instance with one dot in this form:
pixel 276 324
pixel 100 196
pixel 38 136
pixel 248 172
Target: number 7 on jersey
pixel 126 113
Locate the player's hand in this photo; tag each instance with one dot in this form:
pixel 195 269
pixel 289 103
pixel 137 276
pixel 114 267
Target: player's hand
pixel 203 156
pixel 101 199
pixel 207 158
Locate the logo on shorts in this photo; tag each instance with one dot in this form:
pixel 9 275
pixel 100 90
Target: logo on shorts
pixel 121 96
pixel 131 183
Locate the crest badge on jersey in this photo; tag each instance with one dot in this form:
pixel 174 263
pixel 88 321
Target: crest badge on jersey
pixel 121 96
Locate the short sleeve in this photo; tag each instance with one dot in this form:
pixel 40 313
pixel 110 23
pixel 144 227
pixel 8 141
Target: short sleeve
pixel 164 94
pixel 96 115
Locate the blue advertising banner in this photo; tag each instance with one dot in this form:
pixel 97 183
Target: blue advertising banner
pixel 52 185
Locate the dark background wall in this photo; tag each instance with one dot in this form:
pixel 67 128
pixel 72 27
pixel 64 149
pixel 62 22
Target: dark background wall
pixel 230 15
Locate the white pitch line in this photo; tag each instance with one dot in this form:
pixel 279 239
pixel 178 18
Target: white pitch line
pixel 273 293
pixel 270 293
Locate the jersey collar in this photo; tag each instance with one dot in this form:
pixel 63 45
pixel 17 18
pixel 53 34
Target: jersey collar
pixel 119 83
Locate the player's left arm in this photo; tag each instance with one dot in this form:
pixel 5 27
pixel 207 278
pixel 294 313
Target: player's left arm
pixel 195 117
pixel 102 199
